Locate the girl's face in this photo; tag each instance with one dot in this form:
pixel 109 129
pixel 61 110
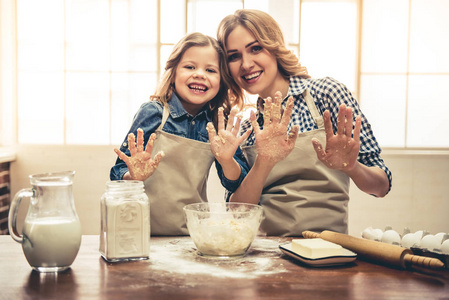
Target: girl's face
pixel 197 79
pixel 252 67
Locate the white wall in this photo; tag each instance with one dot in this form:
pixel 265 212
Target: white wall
pixel 419 198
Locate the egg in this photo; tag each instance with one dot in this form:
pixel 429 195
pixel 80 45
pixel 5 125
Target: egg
pixel 372 234
pixel 378 233
pixel 420 233
pixel 440 236
pixel 409 240
pixel 391 237
pixel 430 242
pixel 445 247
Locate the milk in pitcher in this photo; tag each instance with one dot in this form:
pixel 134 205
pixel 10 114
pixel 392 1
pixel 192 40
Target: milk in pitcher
pixel 51 242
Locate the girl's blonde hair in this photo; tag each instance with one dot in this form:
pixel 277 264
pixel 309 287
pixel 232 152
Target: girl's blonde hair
pixel 166 87
pixel 269 35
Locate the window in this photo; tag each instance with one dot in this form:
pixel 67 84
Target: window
pixel 405 72
pixel 83 67
pixel 329 40
pixel 7 73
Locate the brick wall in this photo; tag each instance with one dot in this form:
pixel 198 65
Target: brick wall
pixel 5 197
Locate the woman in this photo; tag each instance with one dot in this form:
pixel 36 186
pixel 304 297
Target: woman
pixel 307 188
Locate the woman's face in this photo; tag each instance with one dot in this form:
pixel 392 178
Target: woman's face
pixel 197 79
pixel 252 67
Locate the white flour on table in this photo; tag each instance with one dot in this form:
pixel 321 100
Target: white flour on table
pixel 180 256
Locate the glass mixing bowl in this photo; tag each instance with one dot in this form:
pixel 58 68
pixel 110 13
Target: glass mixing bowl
pixel 223 229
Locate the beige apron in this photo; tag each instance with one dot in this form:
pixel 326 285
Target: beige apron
pixel 180 179
pixel 301 193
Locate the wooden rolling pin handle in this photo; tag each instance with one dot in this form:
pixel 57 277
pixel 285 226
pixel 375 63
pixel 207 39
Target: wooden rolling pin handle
pixel 423 261
pixel 310 235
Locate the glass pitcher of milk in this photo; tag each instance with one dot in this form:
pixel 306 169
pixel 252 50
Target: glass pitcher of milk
pixel 51 235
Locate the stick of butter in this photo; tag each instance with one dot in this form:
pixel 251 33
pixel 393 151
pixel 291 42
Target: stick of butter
pixel 316 248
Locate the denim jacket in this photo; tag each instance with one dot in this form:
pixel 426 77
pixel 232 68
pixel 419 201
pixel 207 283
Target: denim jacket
pixel 181 123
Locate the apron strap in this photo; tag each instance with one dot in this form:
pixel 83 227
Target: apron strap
pixel 165 113
pixel 317 117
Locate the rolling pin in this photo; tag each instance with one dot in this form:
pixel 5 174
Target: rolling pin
pixel 377 251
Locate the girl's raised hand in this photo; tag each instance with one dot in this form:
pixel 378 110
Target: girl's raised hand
pixel 341 149
pixel 273 142
pixel 140 164
pixel 225 142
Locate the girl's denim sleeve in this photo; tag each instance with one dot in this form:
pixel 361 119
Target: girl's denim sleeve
pixel 148 118
pixel 232 185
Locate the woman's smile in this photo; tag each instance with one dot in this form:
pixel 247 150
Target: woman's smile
pixel 252 77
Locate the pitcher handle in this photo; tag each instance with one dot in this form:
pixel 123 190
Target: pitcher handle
pixel 12 217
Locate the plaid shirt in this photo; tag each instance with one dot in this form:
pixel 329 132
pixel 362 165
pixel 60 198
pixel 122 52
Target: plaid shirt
pixel 328 94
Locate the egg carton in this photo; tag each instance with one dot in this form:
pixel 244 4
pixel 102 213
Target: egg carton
pixel 420 242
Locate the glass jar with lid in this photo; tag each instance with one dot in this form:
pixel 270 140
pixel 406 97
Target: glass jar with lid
pixel 125 221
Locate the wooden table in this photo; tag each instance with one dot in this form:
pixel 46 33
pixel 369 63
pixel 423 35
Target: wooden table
pixel 175 271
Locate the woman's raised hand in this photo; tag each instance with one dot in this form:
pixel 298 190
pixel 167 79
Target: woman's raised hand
pixel 342 148
pixel 273 142
pixel 140 164
pixel 224 142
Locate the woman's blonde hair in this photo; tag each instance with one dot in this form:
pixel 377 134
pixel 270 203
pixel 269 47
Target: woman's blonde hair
pixel 269 35
pixel 166 87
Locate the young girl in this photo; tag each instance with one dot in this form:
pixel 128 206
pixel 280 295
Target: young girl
pixel 174 125
pixel 307 188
